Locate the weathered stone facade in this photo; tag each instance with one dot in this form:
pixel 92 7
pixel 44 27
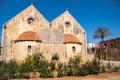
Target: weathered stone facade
pixel 110 43
pixel 29 32
pixel 111 47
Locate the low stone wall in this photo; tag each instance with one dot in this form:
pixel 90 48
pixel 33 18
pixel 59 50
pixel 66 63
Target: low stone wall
pixel 114 53
pixel 113 63
pixel 87 57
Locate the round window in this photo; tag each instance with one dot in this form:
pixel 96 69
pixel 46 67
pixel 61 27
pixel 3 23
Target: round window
pixel 67 24
pixel 30 20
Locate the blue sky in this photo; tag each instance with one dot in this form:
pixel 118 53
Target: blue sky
pixel 89 13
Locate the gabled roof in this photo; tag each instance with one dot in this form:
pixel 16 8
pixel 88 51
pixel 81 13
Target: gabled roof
pixel 66 12
pixel 69 38
pixel 28 36
pixel 69 14
pixel 24 10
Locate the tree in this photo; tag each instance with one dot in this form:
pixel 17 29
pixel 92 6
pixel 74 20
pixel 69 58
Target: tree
pixel 102 32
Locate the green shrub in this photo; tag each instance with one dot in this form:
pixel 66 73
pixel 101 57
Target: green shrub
pixel 74 62
pixel 8 70
pixel 95 67
pixel 60 65
pixel 45 73
pixel 37 63
pixel 3 73
pixel 52 65
pixel 65 68
pixel 91 67
pixel 109 67
pixel 81 72
pixel 102 68
pixel 24 70
pixel 59 74
pixel 55 57
pixel 99 55
pixel 115 69
pixel 69 72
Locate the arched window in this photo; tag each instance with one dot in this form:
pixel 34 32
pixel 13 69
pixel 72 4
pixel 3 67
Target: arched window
pixel 67 24
pixel 73 49
pixel 30 20
pixel 29 48
pixel 105 45
pixel 111 45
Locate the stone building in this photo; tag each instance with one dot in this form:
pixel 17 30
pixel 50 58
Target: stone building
pixel 29 32
pixel 110 43
pixel 111 48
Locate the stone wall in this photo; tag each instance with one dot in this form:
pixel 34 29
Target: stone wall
pixel 114 53
pixel 112 63
pixel 20 49
pixel 69 49
pixel 67 24
pixel 51 34
pixel 49 49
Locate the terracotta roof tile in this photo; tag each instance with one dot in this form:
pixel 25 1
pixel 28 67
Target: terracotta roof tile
pixel 69 38
pixel 28 36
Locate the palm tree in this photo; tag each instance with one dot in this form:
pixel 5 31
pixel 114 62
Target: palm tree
pixel 102 32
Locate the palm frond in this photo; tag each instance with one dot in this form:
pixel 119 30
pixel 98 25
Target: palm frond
pixel 101 32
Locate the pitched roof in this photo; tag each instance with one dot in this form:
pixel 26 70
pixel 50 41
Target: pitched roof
pixel 28 36
pixel 30 8
pixel 69 38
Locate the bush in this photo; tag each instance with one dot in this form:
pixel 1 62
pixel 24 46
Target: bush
pixel 52 65
pixel 74 62
pixel 37 63
pixel 60 65
pixel 41 65
pixel 91 67
pixel 3 74
pixel 102 68
pixel 24 70
pixel 45 73
pixel 70 72
pixel 34 63
pixel 95 67
pixel 55 57
pixel 8 70
pixel 109 67
pixel 81 72
pixel 59 74
pixel 115 69
pixel 65 69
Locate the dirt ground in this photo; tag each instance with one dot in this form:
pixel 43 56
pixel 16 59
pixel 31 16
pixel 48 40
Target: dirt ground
pixel 100 76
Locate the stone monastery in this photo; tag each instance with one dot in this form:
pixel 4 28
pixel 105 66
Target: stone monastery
pixel 29 32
